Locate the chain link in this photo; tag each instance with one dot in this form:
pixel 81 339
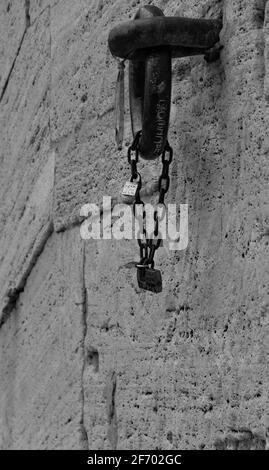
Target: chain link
pixel 148 247
pixel 133 158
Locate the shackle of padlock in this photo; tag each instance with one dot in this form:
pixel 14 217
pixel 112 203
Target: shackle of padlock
pixel 149 42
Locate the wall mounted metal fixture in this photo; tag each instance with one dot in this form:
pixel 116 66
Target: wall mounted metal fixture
pixel 149 42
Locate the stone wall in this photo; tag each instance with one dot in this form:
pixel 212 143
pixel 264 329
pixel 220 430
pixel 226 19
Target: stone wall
pixel 87 360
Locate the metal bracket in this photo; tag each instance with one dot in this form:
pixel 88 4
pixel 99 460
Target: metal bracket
pixel 149 42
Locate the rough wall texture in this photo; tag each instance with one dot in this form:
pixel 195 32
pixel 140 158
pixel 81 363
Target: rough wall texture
pixel 87 360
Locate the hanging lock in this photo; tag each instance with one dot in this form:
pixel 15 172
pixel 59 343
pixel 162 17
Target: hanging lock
pixel 149 279
pixel 131 189
pixel 129 192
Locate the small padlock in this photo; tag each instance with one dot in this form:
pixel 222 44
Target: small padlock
pixel 129 191
pixel 149 279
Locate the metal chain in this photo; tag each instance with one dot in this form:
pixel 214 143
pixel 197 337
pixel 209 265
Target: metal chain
pixel 133 159
pixel 148 247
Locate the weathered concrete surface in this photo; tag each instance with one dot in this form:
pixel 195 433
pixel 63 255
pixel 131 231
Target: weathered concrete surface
pixel 41 361
pixel 27 161
pixel 184 369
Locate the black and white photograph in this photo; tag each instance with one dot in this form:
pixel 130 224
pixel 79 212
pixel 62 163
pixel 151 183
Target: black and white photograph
pixel 134 231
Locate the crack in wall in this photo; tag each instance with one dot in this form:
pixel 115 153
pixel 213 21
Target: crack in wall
pixel 110 397
pixel 83 430
pixel 13 293
pixel 27 25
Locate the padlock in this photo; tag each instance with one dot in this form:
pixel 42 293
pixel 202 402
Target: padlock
pixel 129 192
pixel 149 279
